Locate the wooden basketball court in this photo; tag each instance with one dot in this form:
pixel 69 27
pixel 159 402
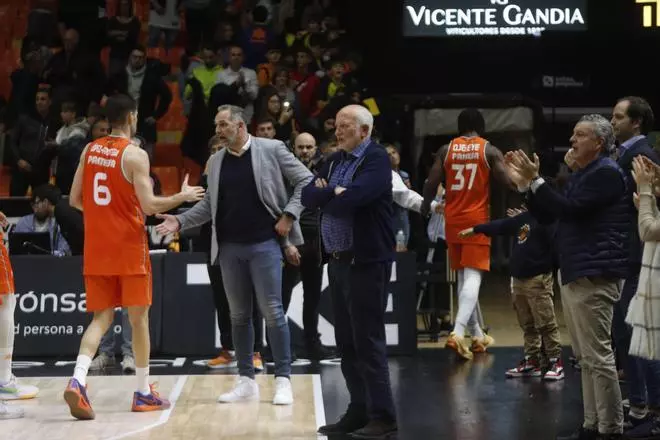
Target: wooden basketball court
pixel 195 412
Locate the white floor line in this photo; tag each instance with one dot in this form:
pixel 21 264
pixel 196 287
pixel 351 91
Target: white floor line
pixel 319 407
pixel 164 417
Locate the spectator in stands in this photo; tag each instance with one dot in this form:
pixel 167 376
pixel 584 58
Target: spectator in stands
pixel 265 128
pixel 257 37
pixel 42 22
pixel 207 73
pixel 306 83
pixel 333 84
pixel 122 36
pixel 282 83
pixel 281 114
pixel 71 140
pixel 25 83
pixel 401 220
pixel 44 199
pixel 75 73
pixel 163 20
pixel 106 356
pixel 144 83
pixel 198 22
pixel 31 133
pixel 242 79
pixel 266 71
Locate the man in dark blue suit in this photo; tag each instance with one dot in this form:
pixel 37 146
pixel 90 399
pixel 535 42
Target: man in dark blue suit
pixel 632 119
pixel 592 244
pixel 354 192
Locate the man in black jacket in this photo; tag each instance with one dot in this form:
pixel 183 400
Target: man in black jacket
pixel 632 119
pixel 144 82
pixel 592 242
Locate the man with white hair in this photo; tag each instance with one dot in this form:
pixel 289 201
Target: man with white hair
pixel 592 244
pixel 354 193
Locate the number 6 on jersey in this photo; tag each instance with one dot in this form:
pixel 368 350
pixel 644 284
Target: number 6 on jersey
pixel 460 178
pixel 102 196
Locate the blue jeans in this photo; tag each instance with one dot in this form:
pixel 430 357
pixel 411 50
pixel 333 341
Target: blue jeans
pixel 642 375
pixel 108 341
pixel 258 266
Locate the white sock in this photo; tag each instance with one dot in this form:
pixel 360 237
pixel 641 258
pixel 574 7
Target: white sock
pixel 474 325
pixel 82 366
pixel 468 295
pixel 6 336
pixel 142 375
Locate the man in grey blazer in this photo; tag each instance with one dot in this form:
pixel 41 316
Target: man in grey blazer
pixel 254 221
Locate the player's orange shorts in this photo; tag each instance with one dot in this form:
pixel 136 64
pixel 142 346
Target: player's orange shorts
pixel 474 256
pixel 105 292
pixel 6 277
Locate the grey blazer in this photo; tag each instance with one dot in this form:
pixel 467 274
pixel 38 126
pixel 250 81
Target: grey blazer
pixel 272 162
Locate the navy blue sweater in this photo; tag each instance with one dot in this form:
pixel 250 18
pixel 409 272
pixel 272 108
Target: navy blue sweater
pixel 592 221
pixel 636 248
pixel 241 216
pixel 532 252
pixel 368 199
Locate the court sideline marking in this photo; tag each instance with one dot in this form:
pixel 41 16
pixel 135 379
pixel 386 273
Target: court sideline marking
pixel 164 417
pixel 319 407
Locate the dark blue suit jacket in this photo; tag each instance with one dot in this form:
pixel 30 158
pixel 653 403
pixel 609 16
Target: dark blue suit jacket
pixel 641 147
pixel 368 200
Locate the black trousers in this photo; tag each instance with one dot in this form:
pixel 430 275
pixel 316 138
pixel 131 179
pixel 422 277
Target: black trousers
pixel 359 297
pixel 222 309
pixel 310 273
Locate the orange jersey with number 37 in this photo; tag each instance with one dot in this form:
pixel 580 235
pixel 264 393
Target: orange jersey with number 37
pixel 467 188
pixel 115 234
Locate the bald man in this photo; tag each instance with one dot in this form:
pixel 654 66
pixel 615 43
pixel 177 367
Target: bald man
pixel 353 190
pixel 311 267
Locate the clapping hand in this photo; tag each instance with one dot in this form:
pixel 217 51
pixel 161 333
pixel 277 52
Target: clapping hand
pixel 524 166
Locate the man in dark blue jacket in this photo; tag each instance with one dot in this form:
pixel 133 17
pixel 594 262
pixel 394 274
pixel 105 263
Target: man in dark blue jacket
pixel 632 119
pixel 354 192
pixel 592 242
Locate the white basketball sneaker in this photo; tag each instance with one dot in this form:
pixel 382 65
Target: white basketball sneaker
pixel 283 391
pixel 245 389
pixel 13 390
pixel 10 412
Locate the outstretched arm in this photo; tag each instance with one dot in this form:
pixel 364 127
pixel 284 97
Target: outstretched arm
pixel 495 160
pixel 136 163
pixel 436 176
pixel 75 195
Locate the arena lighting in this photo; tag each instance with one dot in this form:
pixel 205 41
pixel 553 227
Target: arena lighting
pixel 647 12
pixel 474 18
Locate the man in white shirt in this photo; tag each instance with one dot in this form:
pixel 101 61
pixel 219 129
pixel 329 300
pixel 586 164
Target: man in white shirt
pixel 241 78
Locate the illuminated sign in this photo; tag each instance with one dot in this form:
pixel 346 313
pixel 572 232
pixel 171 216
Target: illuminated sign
pixel 647 12
pixel 474 18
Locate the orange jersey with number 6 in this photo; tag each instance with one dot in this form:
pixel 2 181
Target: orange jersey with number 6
pixel 115 234
pixel 467 188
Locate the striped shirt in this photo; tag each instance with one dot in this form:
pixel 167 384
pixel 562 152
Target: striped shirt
pixel 337 232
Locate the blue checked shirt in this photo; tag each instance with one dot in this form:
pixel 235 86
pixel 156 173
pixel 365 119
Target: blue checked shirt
pixel 337 232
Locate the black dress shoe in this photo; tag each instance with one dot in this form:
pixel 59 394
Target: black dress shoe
pixel 351 421
pixel 376 429
pixel 581 434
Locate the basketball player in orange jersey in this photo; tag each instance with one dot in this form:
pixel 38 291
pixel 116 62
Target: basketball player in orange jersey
pixel 10 389
pixel 465 165
pixel 113 189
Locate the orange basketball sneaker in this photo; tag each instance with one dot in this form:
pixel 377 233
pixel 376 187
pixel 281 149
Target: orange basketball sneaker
pixel 75 396
pixel 149 402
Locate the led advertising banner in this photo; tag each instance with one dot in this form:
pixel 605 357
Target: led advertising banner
pixel 492 18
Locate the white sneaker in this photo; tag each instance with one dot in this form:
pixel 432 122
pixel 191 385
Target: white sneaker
pixel 244 390
pixel 13 390
pixel 283 391
pixel 10 412
pixel 128 365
